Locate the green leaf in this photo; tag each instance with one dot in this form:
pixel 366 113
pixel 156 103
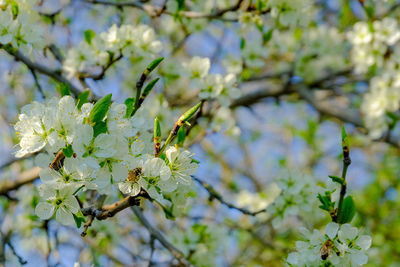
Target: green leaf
pixel 181 4
pixel 181 136
pixel 99 127
pixel 348 210
pixel 344 134
pixel 79 219
pixel 63 89
pixel 157 129
pixel 345 140
pixel 168 212
pixel 149 87
pixel 14 9
pixel 100 109
pixel 153 65
pixel 83 98
pixel 268 35
pixel 337 179
pixel 242 43
pixel 68 151
pixel 188 114
pixel 89 35
pixel 326 201
pixel 130 105
pixel 370 11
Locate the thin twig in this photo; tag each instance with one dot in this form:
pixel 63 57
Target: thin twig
pixel 39 87
pixel 41 69
pixel 215 195
pixel 160 237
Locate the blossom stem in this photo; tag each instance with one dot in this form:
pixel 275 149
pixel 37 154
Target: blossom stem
pixel 346 163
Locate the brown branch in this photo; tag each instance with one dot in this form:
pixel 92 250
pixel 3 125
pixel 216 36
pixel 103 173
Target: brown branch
pixel 24 178
pixel 215 195
pixel 324 107
pixel 258 95
pixel 41 69
pixel 154 11
pixel 110 210
pixel 100 75
pixel 160 237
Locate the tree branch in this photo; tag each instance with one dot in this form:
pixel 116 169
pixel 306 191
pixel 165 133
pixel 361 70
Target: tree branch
pixel 154 11
pixel 215 195
pixel 24 178
pixel 159 236
pixel 110 210
pixel 42 69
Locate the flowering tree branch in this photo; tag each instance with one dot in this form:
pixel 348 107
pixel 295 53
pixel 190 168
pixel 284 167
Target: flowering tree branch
pixel 110 210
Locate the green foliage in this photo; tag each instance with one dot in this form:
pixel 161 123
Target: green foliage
pixel 99 127
pixel 181 4
pixel 130 105
pixel 157 129
pixel 337 179
pixel 79 219
pixel 181 136
pixel 348 210
pixel 188 114
pixel 83 98
pixel 154 64
pixel 149 87
pixel 68 151
pixel 89 35
pixel 63 89
pixel 326 201
pixel 100 109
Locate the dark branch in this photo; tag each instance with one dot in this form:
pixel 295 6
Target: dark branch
pixel 215 195
pixel 160 237
pixel 42 69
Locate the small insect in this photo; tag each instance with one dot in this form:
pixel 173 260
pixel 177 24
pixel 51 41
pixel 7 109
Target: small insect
pixel 134 174
pixel 56 164
pixel 326 249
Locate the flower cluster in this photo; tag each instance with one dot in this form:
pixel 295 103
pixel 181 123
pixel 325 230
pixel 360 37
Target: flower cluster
pixel 322 52
pixel 376 49
pixel 211 85
pixel 102 148
pixel 16 18
pixel 371 43
pixel 290 12
pixel 100 50
pixel 341 245
pixel 298 197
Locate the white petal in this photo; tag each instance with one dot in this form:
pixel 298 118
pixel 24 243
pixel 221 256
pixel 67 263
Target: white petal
pixel 359 258
pixel 125 187
pixel 43 160
pixel 48 175
pixel 172 153
pixel 65 217
pixel 119 172
pixel 331 229
pixel 71 204
pixel 167 186
pixel 293 258
pixel 347 232
pixel 364 242
pixel 135 189
pixel 44 210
